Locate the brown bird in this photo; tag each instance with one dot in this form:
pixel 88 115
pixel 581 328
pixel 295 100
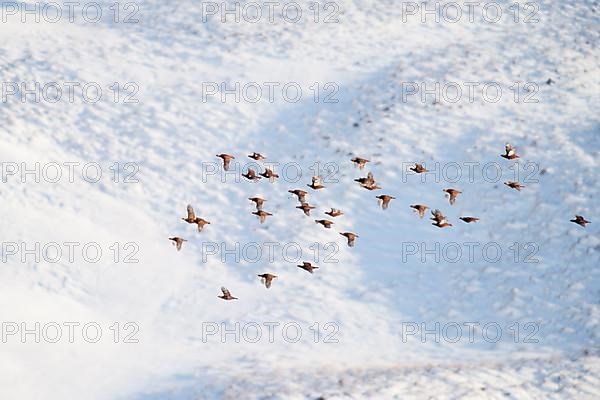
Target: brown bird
pixel 334 213
pixel 368 181
pixel 191 216
pixel 468 220
pixel 307 266
pixel 315 184
pixel 514 185
pixel 269 174
pixel 360 162
pixel 226 160
pixel 351 237
pixel 266 279
pixel 177 241
pixel 251 175
pixel 262 215
pixel 306 208
pixel 419 169
pixel 201 222
pixel 440 219
pixel 510 153
pixel 452 194
pixel 226 294
pixel 384 200
pixel 257 156
pixel 258 201
pixel 300 193
pixel 579 220
pixel 420 209
pixel 325 222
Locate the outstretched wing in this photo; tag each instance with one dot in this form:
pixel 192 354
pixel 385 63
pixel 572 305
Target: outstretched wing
pixel 190 212
pixel 226 292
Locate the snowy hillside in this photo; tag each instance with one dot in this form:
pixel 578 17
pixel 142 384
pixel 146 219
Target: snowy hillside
pixel 97 303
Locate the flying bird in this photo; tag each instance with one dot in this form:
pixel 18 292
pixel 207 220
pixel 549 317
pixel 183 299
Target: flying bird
pixel 360 162
pixel 469 220
pixel 300 193
pixel 439 219
pixel 384 200
pixel 262 215
pixel 452 194
pixel 307 266
pixel 226 294
pixel 334 212
pixel 368 181
pixel 191 216
pixel 350 236
pixel 251 175
pixel 325 222
pixel 269 174
pixel 226 160
pixel 514 185
pixel 258 201
pixel 579 220
pixel 420 209
pixel 509 152
pixel 201 222
pixel 257 156
pixel 267 279
pixel 419 168
pixel 315 184
pixel 177 242
pixel 306 208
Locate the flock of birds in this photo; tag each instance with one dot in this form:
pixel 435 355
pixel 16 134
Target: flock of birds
pixel 367 182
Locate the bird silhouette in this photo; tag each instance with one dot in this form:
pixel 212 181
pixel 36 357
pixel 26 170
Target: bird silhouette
pixel 452 194
pixel 251 175
pixel 350 236
pixel 300 193
pixel 360 162
pixel 262 215
pixel 258 201
pixel 269 174
pixel 226 160
pixel 257 156
pixel 325 222
pixel 308 266
pixel 419 169
pixel 334 213
pixel 420 208
pixel 306 208
pixel 509 152
pixel 177 242
pixel 469 220
pixel 226 294
pixel 514 185
pixel 267 279
pixel 579 220
pixel 315 184
pixel 384 200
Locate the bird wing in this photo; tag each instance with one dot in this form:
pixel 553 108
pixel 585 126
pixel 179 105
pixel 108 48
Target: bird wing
pixel 226 292
pixel 190 212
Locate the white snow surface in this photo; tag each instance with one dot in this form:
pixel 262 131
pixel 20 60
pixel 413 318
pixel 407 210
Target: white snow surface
pixel 371 293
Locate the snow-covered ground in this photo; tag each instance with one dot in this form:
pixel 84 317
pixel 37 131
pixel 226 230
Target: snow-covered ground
pixel 528 317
